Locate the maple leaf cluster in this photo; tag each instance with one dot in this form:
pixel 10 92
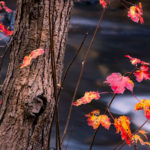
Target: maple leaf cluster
pixel 34 54
pixel 122 125
pixel 118 84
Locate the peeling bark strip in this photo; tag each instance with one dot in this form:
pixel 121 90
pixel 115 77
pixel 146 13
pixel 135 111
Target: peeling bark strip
pixel 28 102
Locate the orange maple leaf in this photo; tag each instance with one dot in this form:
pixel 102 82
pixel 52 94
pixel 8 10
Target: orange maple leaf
pixel 142 73
pixel 87 98
pixel 26 61
pixel 118 83
pixel 122 124
pixel 34 54
pixel 105 121
pixel 144 105
pixel 95 119
pixel 135 13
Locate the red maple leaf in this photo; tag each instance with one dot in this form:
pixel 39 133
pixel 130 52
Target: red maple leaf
pixel 122 124
pixel 135 13
pixel 5 30
pixel 136 61
pixel 104 3
pixel 142 74
pixel 118 83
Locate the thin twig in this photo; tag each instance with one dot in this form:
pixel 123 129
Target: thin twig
pixel 113 97
pixel 95 133
pixel 70 64
pixel 135 147
pixel 67 70
pixel 127 2
pixel 80 76
pixel 53 65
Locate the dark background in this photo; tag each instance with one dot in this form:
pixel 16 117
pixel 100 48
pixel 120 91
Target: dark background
pixel 117 37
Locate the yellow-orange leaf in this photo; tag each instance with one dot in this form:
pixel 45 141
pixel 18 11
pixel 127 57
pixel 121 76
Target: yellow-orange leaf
pixel 26 61
pixel 144 105
pixel 122 124
pixel 34 54
pixel 87 98
pixel 95 119
pixel 105 121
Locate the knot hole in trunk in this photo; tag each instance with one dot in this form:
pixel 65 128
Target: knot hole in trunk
pixel 36 107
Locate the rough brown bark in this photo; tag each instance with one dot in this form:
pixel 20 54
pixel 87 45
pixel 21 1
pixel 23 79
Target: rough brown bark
pixel 27 94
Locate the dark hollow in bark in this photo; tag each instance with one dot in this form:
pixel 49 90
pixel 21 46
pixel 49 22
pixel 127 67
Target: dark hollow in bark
pixel 27 94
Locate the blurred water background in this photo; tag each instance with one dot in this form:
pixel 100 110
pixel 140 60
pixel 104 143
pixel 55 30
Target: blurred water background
pixel 117 37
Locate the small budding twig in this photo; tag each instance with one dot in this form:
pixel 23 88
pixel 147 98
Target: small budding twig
pixel 80 76
pixel 70 64
pixel 53 65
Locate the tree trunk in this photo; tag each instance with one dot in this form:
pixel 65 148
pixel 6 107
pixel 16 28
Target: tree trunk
pixel 28 93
